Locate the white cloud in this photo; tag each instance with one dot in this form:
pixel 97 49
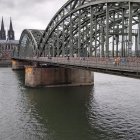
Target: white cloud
pixel 31 14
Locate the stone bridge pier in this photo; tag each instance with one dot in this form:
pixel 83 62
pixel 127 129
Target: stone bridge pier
pixel 18 65
pixel 57 76
pixel 36 76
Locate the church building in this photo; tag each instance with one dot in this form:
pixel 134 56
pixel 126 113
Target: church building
pixel 7 41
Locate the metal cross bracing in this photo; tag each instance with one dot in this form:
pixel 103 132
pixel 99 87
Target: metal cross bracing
pixel 100 28
pixel 106 33
pixel 28 44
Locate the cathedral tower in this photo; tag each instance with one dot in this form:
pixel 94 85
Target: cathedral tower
pixel 11 34
pixel 2 31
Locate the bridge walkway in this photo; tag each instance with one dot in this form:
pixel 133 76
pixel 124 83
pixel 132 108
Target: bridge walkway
pixel 129 64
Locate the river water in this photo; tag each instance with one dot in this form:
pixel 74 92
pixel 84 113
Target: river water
pixel 109 110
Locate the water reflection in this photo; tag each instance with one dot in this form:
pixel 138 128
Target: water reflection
pixel 58 113
pixel 107 111
pixel 62 111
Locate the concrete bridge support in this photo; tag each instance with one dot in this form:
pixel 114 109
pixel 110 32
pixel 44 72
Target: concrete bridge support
pixel 18 65
pixel 57 76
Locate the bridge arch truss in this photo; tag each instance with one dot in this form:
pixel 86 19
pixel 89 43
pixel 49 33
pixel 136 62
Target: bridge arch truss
pixel 28 43
pixel 85 28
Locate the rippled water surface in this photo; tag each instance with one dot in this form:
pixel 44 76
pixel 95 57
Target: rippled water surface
pixel 110 110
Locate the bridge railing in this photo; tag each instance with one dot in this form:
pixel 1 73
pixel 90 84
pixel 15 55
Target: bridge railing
pixel 125 64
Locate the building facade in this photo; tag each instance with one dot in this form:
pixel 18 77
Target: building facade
pixel 7 41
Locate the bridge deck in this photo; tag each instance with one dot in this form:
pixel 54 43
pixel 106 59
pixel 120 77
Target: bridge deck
pixel 125 66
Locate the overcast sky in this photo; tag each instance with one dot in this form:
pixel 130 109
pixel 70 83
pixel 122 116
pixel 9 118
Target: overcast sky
pixel 28 14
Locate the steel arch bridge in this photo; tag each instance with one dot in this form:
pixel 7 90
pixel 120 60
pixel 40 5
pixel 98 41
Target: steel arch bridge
pixel 28 44
pixel 87 28
pixel 93 28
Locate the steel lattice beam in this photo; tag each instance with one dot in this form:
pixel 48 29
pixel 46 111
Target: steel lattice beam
pixel 92 28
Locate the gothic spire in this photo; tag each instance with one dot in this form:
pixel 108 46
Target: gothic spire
pixel 2 32
pixel 2 25
pixel 11 26
pixel 11 34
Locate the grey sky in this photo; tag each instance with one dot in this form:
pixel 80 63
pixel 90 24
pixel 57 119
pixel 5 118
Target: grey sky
pixel 28 14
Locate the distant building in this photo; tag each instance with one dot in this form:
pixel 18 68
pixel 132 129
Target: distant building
pixel 7 43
